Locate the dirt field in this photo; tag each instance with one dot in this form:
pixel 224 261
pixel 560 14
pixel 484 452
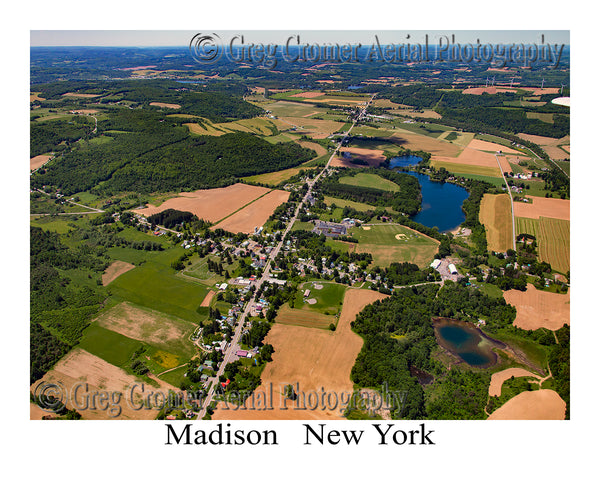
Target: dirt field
pixel 312 358
pixel 319 149
pixel 499 378
pixel 114 270
pixel 33 96
pixel 212 204
pixel 372 157
pixel 489 90
pixel 38 161
pixel 551 145
pixel 537 309
pixel 474 156
pixel 165 105
pixel 491 147
pixel 312 127
pixel 415 141
pixel 308 94
pixel 79 366
pixel 495 214
pixel 208 298
pixel 543 207
pixel 255 214
pixel 536 405
pixel 144 324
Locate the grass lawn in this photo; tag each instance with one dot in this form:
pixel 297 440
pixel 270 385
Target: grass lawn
pixel 329 298
pixel 370 180
pixel 381 242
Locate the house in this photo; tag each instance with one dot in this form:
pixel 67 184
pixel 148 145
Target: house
pixel 242 353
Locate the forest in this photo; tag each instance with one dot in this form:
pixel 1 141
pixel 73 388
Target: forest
pixel 60 309
pixel 398 334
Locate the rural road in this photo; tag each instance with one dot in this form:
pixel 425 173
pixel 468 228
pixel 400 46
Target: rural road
pixel 230 352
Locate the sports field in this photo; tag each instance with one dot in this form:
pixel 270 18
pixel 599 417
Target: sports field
pixel 390 243
pixel 495 214
pixel 553 239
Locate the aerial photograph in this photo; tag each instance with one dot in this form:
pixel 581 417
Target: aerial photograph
pixel 299 225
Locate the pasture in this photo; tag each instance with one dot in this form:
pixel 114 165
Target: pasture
pixel 155 286
pixel 370 180
pixel 390 243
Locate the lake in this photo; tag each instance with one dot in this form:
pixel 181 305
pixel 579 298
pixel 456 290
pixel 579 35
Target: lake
pixel 441 205
pixel 404 161
pixel 466 341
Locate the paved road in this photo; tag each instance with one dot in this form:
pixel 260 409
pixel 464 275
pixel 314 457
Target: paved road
pixel 230 352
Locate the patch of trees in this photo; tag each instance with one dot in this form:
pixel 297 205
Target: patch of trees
pixel 257 333
pixel 406 273
pixel 406 200
pixel 560 365
pixel 171 217
pixel 45 136
pixel 59 310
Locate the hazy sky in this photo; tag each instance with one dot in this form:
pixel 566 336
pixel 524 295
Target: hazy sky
pixel 182 37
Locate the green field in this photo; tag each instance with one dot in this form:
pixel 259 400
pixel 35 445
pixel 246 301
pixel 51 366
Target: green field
pixel 370 180
pixel 291 109
pixel 303 318
pixel 155 286
pixel 553 238
pixel 381 242
pixel 496 181
pixel 329 298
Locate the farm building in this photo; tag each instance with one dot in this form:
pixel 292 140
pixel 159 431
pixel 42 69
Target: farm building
pixel 435 263
pixel 242 353
pixel 452 269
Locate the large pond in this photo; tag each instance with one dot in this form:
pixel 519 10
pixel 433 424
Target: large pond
pixel 441 205
pixel 466 341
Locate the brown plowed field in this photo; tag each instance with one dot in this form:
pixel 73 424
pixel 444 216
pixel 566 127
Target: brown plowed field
pixel 372 157
pixel 543 207
pixel 500 377
pixel 38 161
pixel 79 366
pixel 536 405
pixel 208 298
pixel 114 270
pixel 211 205
pixel 537 309
pixel 311 357
pixel 255 214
